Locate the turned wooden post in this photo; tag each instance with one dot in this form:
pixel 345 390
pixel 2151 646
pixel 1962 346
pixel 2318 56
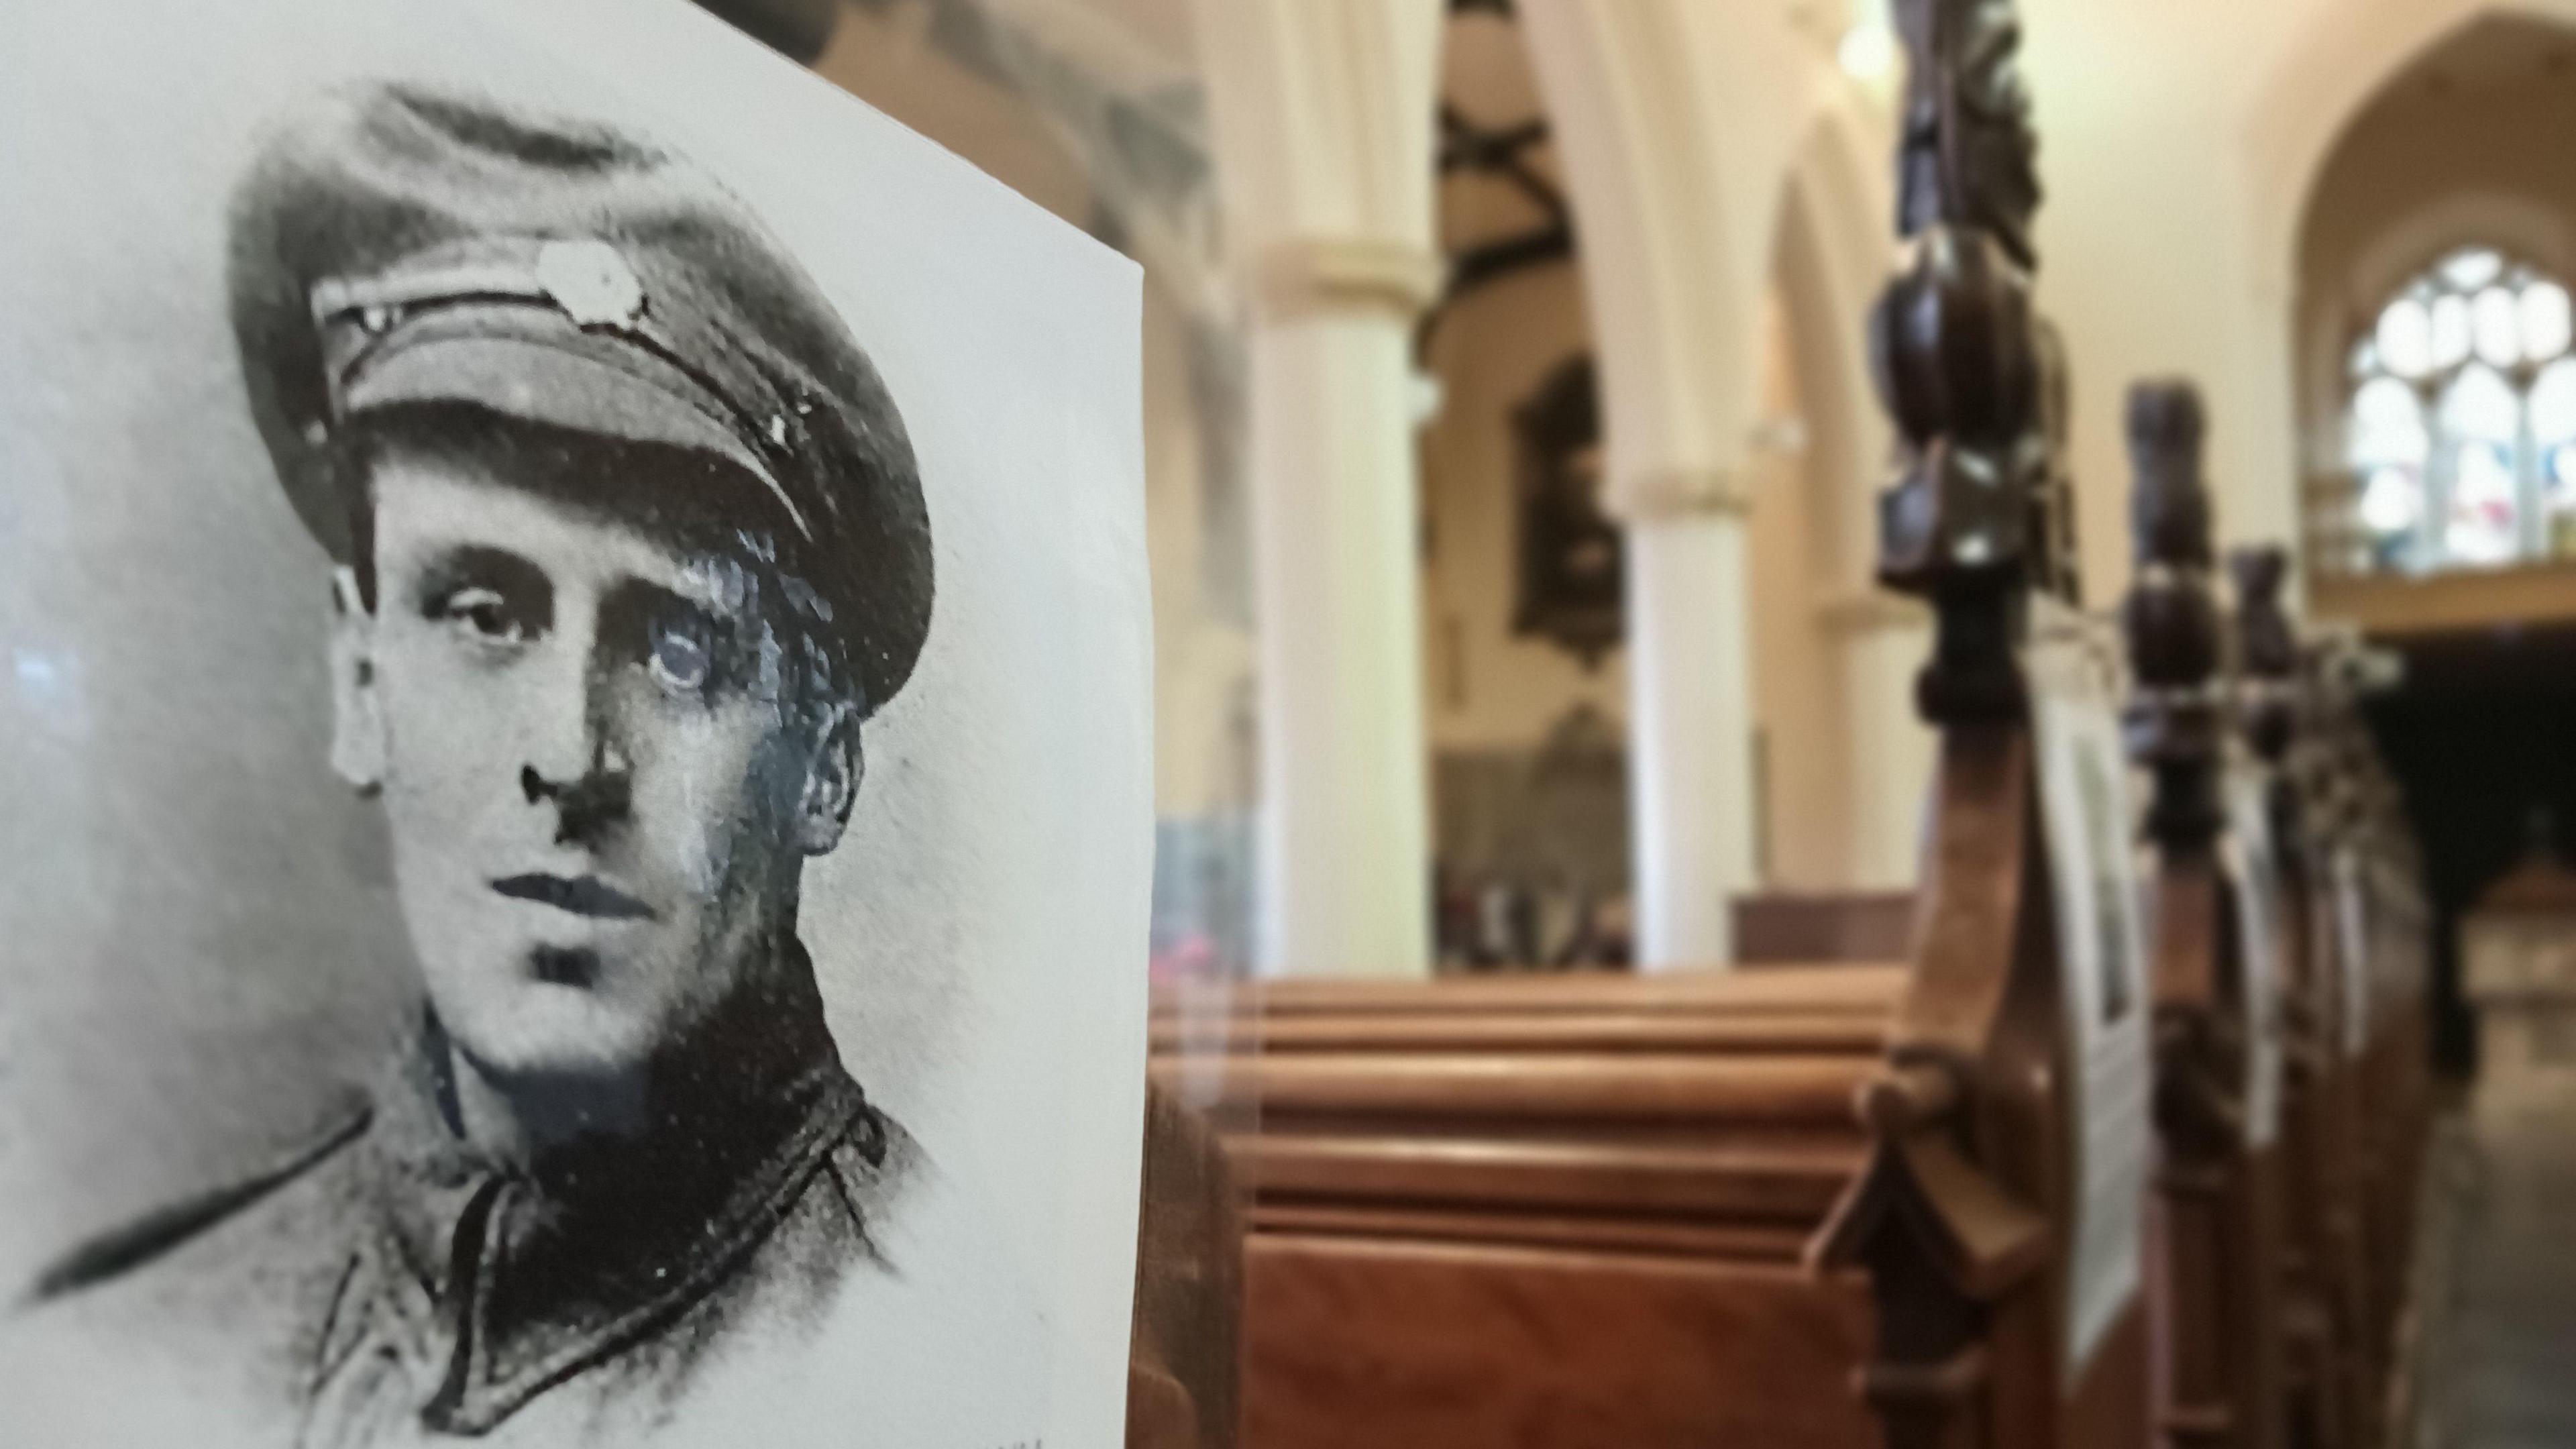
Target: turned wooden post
pixel 2327 765
pixel 2214 1301
pixel 1962 1215
pixel 2270 707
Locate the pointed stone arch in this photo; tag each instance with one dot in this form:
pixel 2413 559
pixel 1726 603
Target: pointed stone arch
pixel 2342 59
pixel 1678 122
pixel 2412 152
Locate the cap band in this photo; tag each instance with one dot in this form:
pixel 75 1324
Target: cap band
pixel 366 324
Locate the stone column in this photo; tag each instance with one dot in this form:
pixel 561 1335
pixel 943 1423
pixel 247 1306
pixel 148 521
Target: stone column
pixel 1690 713
pixel 1344 842
pixel 1322 112
pixel 1677 122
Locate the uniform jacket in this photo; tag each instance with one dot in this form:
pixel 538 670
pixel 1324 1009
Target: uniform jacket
pixel 382 1285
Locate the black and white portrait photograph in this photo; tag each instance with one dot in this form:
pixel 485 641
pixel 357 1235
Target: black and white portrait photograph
pixel 575 807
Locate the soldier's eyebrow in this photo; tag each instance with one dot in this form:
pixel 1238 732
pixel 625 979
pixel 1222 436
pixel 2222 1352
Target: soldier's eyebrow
pixel 632 593
pixel 712 582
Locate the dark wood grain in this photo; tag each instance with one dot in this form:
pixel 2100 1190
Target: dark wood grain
pixel 1182 1364
pixel 1779 928
pixel 1358 1343
pixel 1791 990
pixel 2214 1284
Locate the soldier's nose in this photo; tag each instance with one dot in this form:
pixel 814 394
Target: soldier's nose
pixel 585 805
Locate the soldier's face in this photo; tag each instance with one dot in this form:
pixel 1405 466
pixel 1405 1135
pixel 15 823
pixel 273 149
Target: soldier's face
pixel 599 799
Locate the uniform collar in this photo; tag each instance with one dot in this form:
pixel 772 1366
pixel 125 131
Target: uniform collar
pixel 509 1278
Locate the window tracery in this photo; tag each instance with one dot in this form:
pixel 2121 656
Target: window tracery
pixel 2460 421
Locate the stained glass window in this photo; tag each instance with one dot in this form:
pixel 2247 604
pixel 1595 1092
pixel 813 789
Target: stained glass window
pixel 2460 429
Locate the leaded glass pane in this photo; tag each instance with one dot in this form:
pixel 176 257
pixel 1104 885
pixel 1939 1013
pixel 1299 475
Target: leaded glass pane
pixel 2471 268
pixel 2452 333
pixel 2499 327
pixel 2482 519
pixel 2461 434
pixel 2546 321
pixel 2482 405
pixel 2388 425
pixel 2553 403
pixel 2485 512
pixel 2392 503
pixel 2406 338
pixel 2552 410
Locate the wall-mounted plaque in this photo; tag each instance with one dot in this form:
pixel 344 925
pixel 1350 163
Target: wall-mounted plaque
pixel 574 781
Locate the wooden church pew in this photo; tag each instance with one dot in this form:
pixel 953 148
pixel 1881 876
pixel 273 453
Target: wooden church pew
pixel 1493 1208
pixel 1785 988
pixel 1832 1204
pixel 1817 927
pixel 1677 1210
pixel 2317 1386
pixel 2014 1065
pixel 1538 1028
pixel 2217 1278
pixel 1188 1306
pixel 1549 1227
pixel 2356 1092
pixel 2368 935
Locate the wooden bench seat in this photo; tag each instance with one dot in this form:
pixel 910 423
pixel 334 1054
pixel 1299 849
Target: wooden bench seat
pixel 1872 988
pixel 1833 1203
pixel 1603 1025
pixel 1807 1205
pixel 1822 927
pixel 1545 1209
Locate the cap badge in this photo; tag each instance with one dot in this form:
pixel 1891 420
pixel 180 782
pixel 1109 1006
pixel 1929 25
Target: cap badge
pixel 591 281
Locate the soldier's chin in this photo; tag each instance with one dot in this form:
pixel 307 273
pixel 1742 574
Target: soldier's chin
pixel 552 1022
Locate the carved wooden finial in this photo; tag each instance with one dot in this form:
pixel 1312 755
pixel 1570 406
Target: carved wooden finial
pixel 1952 1215
pixel 2176 723
pixel 1960 359
pixel 2166 430
pixel 2267 651
pixel 1969 156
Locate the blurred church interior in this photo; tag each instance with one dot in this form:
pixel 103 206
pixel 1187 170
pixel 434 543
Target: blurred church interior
pixel 1574 788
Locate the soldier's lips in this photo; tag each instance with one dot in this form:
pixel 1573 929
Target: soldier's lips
pixel 585 895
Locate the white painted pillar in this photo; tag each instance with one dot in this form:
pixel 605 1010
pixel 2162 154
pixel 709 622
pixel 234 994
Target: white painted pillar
pixel 1676 121
pixel 1345 838
pixel 1690 721
pixel 1323 116
pixel 1885 641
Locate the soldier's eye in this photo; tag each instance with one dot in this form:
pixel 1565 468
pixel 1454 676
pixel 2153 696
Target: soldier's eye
pixel 484 613
pixel 679 659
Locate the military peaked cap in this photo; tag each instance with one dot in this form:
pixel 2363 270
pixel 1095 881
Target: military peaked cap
pixel 396 246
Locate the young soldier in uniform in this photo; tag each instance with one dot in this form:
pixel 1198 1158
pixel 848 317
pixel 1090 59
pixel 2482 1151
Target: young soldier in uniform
pixel 629 541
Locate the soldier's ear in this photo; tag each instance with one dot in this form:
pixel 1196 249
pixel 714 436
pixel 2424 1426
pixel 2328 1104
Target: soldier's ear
pixel 357 716
pixel 831 783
